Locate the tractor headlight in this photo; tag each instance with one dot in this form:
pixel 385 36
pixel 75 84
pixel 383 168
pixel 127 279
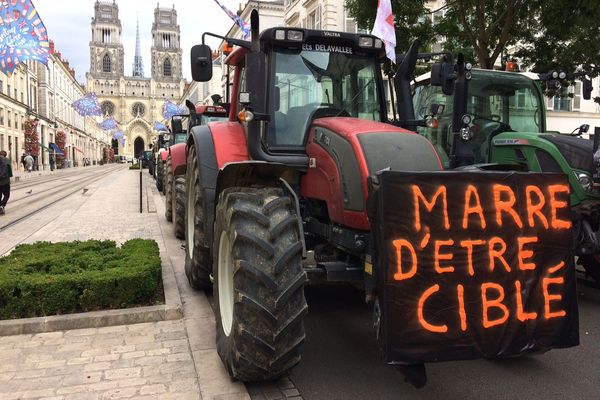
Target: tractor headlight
pixel 378 44
pixel 279 34
pixel 585 180
pixel 296 36
pixel 365 41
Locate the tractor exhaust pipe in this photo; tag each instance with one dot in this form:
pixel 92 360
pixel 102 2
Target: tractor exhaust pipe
pixel 254 30
pixel 405 74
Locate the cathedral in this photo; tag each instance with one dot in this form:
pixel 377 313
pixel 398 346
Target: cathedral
pixel 135 101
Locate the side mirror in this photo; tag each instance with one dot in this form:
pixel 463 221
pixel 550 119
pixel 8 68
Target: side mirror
pixel 201 58
pixel 443 75
pixel 587 88
pixel 176 125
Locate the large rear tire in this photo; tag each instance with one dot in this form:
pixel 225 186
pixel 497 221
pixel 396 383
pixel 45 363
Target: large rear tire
pixel 198 263
pixel 169 192
pixel 179 207
pixel 159 175
pixel 259 283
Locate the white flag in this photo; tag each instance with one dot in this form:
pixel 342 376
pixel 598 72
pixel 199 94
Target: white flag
pixel 384 28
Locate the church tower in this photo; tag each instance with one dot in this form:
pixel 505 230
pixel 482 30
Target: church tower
pixel 166 46
pixel 106 47
pixel 138 66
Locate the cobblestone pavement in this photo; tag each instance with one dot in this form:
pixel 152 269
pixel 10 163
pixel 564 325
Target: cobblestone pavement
pixel 160 360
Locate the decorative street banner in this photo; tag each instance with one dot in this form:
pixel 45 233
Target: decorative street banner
pixel 118 134
pixel 160 127
pixel 23 35
pixel 88 105
pixel 473 264
pixel 170 109
pixel 245 28
pixel 108 124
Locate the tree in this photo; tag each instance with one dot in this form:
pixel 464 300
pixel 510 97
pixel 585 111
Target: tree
pixel 544 34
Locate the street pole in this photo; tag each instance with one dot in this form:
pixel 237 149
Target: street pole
pixel 140 162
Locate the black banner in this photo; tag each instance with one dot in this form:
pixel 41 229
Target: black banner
pixel 473 264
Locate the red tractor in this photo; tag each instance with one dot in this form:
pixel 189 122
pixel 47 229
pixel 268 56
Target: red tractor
pixel 176 160
pixel 277 195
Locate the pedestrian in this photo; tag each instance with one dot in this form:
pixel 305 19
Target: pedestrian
pixel 28 163
pixel 52 162
pixel 23 161
pixel 5 175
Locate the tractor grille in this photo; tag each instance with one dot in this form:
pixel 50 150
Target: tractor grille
pixel 578 152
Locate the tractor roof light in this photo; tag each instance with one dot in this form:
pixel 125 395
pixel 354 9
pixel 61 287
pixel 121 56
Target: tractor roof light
pixel 468 66
pixel 295 36
pixel 279 34
pixel 378 44
pixel 562 75
pixel 365 41
pixel 554 74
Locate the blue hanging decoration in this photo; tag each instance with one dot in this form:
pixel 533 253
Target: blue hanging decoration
pixel 23 35
pixel 88 105
pixel 170 109
pixel 160 127
pixel 108 124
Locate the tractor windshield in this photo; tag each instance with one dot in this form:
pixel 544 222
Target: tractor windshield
pixel 497 102
pixel 337 84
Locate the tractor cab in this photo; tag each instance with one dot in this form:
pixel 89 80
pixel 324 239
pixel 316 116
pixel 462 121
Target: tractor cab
pixel 496 102
pixel 294 76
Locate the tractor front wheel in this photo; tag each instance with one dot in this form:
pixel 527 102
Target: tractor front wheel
pixel 179 207
pixel 259 283
pixel 169 192
pixel 198 263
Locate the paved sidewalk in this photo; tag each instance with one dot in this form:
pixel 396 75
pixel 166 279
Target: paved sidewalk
pixel 173 359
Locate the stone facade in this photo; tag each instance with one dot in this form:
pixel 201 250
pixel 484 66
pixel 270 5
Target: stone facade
pixel 134 102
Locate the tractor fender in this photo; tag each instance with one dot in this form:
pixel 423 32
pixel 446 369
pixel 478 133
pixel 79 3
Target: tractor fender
pixel 216 144
pixel 178 154
pixel 249 173
pixel 163 155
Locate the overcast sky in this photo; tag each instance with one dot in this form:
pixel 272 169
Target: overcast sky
pixel 69 24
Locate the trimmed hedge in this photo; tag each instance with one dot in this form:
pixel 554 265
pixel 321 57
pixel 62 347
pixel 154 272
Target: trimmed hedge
pixel 134 166
pixel 58 278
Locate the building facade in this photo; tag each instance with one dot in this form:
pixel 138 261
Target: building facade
pixel 135 102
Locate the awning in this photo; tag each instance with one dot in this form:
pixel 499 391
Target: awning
pixel 44 147
pixel 78 150
pixel 55 149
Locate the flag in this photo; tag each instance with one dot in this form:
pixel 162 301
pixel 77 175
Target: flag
pixel 170 109
pixel 23 35
pixel 118 135
pixel 87 105
pixel 160 127
pixel 236 18
pixel 108 124
pixel 384 28
pixel 56 150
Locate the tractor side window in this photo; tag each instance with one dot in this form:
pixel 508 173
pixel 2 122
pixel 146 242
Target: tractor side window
pixel 242 88
pixel 441 137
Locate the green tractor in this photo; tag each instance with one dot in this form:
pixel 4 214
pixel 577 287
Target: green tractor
pixel 489 119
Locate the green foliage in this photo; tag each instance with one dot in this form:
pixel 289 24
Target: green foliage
pixel 541 34
pixel 135 166
pixel 56 278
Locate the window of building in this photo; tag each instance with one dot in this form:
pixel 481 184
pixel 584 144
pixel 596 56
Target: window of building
pixel 313 19
pixel 568 100
pixel 167 67
pixel 106 67
pixel 1 85
pixel 1 116
pixel 8 88
pixel 9 119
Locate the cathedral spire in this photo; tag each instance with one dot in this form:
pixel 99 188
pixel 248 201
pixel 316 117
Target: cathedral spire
pixel 138 67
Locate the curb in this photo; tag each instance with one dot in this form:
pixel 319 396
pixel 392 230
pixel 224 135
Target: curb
pixel 171 310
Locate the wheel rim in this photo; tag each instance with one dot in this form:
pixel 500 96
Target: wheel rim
pixel 225 274
pixel 189 223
